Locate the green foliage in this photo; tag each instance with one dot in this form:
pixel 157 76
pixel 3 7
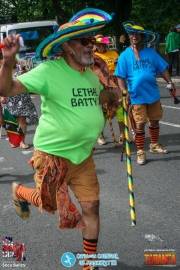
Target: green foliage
pixel 162 51
pixel 155 15
pixel 31 10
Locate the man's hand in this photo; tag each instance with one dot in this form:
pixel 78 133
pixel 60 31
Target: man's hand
pixel 173 90
pixel 8 86
pixel 107 96
pixel 10 46
pixel 2 100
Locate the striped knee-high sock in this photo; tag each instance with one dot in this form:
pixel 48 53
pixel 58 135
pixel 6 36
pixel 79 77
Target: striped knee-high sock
pixel 139 138
pixel 28 194
pixel 90 247
pixel 154 134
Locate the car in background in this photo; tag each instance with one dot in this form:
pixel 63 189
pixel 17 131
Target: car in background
pixel 33 33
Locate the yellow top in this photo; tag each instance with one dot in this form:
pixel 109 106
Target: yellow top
pixel 110 57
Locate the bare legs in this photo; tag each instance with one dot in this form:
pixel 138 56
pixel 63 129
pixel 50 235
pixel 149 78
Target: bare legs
pixel 22 122
pixel 90 212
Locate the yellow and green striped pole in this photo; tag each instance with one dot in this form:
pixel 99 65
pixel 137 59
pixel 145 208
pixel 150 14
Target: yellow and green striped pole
pixel 128 162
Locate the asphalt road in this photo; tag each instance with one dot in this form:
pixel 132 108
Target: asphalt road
pixel 156 191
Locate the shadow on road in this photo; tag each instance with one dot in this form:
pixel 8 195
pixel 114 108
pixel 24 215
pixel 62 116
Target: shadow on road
pixel 23 179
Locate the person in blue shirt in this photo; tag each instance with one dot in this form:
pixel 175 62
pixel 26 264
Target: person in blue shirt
pixel 137 67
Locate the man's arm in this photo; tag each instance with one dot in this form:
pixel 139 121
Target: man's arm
pixel 166 76
pixel 122 83
pixel 8 86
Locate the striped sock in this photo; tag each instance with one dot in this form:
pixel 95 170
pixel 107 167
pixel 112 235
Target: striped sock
pixel 154 134
pixel 139 138
pixel 28 194
pixel 90 247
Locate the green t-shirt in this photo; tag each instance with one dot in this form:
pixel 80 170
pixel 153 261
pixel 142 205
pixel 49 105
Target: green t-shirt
pixel 71 118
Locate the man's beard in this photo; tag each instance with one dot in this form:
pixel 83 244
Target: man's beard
pixel 87 62
pixel 83 61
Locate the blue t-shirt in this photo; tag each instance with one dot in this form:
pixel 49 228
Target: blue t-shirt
pixel 141 75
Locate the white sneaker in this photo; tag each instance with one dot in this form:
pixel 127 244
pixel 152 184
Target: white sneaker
pixel 101 140
pixel 141 157
pixel 157 148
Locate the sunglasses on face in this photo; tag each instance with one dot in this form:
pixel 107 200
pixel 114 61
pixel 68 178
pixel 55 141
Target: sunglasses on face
pixel 136 34
pixel 85 41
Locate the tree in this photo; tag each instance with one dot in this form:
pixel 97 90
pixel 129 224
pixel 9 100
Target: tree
pixel 151 14
pixel 31 10
pixel 155 15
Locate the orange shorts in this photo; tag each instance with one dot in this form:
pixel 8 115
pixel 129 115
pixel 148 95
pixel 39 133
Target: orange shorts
pixel 81 178
pixel 143 113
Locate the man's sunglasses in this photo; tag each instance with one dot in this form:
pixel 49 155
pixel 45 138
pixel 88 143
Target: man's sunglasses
pixel 85 41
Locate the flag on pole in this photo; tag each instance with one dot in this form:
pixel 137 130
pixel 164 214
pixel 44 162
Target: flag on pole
pixel 13 129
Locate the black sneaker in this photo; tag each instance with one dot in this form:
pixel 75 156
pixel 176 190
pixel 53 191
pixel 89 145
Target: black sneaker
pixel 176 101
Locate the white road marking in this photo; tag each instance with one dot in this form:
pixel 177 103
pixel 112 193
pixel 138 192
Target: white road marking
pixel 7 207
pixel 2 159
pixel 27 152
pixel 177 108
pixel 153 238
pixel 169 124
pixel 7 169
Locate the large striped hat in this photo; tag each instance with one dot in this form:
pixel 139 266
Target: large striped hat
pixel 149 36
pixel 86 21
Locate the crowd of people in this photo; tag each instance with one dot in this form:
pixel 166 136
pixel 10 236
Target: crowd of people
pixel 89 76
pixel 20 106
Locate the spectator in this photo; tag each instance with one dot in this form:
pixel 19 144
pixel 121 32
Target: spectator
pixel 123 44
pixel 20 106
pixel 178 30
pixel 172 49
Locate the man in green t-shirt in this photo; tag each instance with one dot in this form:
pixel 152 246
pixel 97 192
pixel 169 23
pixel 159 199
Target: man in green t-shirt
pixel 70 124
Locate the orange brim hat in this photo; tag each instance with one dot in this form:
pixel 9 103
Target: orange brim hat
pixel 150 37
pixel 86 21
